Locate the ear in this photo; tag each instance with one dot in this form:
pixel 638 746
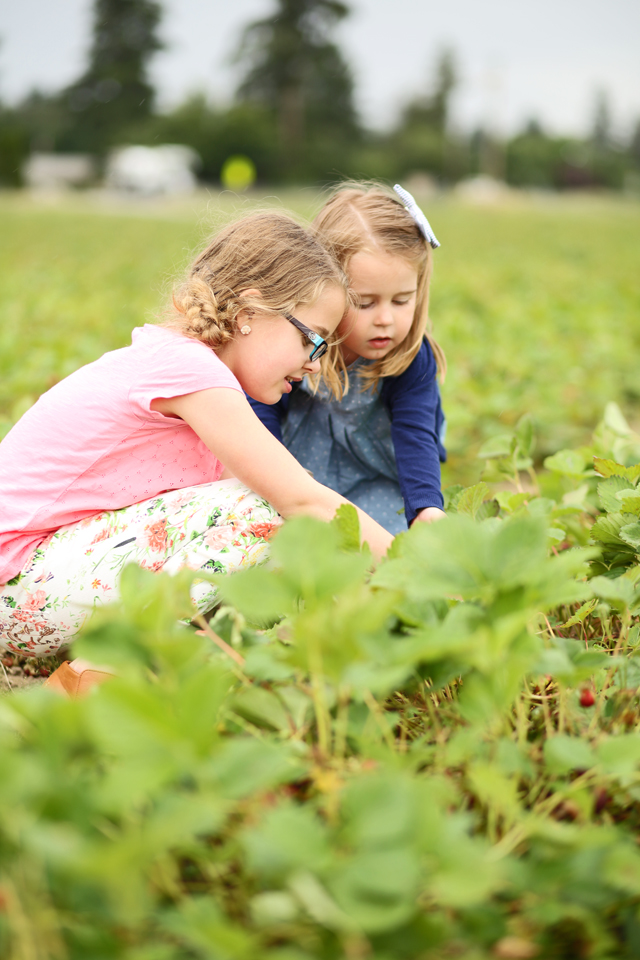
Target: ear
pixel 245 315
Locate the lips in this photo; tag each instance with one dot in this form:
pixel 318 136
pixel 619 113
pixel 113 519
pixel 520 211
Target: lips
pixel 379 342
pixel 289 381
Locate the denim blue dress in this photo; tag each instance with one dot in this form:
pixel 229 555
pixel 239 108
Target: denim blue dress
pixel 381 449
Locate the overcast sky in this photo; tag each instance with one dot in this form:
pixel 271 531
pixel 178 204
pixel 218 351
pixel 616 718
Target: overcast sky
pixel 518 58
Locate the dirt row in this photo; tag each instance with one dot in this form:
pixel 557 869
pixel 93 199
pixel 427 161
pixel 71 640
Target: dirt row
pixel 16 673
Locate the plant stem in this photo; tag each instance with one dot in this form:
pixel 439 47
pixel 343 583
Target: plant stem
pixel 318 694
pixel 380 719
pixel 342 723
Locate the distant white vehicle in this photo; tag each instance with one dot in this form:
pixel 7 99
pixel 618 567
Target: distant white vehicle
pixel 58 171
pixel 151 171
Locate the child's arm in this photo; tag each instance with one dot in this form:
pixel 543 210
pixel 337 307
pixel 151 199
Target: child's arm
pixel 413 401
pixel 225 422
pixel 429 514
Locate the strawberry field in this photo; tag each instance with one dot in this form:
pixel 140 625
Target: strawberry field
pixel 437 757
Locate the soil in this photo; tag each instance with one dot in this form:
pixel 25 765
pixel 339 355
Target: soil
pixel 18 673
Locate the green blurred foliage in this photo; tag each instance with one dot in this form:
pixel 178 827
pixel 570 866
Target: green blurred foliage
pixel 402 766
pixel 107 104
pixel 14 147
pixel 536 305
pixel 292 69
pixel 71 287
pixel 246 129
pixel 294 113
pixel 535 159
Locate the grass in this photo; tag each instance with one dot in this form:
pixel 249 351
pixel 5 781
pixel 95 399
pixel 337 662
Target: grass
pixel 537 303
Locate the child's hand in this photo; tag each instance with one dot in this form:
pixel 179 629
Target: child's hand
pixel 430 515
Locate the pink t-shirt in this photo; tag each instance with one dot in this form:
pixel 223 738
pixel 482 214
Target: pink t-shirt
pixel 92 443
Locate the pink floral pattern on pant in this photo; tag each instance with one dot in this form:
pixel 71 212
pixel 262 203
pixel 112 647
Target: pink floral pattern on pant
pixel 219 527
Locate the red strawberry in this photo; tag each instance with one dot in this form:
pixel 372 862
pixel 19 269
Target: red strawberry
pixel 587 697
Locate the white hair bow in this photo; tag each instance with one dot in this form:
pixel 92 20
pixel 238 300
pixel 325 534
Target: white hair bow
pixel 412 208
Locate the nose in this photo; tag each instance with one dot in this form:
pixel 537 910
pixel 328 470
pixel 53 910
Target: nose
pixel 311 366
pixel 384 315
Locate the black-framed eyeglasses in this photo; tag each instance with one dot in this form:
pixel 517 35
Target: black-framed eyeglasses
pixel 320 346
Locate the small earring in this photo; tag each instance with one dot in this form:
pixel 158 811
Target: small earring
pixel 245 330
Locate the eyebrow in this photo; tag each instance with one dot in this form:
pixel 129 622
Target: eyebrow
pixel 323 332
pixel 400 293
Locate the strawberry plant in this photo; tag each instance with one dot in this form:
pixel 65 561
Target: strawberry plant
pixel 437 757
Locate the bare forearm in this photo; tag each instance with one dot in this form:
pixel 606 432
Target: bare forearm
pixel 372 533
pixel 250 453
pixel 323 503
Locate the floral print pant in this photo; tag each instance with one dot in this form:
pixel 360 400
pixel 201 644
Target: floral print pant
pixel 219 527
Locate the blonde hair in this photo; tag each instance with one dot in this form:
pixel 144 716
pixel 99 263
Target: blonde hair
pixel 366 218
pixel 265 251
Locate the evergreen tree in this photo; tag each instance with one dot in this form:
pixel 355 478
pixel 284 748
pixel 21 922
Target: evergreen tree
pixel 295 69
pixel 601 135
pixel 421 139
pixel 432 110
pixel 634 144
pixel 113 96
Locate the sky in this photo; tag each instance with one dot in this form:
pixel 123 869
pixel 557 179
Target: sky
pixel 518 59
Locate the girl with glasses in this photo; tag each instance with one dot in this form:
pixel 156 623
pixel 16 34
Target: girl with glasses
pixel 122 461
pixel 372 429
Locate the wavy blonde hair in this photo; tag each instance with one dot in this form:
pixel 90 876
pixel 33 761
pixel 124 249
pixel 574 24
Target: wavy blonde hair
pixel 266 251
pixel 367 218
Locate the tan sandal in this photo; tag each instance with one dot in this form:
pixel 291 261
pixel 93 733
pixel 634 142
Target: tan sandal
pixel 76 677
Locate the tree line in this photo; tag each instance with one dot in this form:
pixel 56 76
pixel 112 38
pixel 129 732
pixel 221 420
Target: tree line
pixel 293 113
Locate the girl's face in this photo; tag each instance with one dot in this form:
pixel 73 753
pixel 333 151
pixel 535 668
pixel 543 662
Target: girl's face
pixel 386 286
pixel 275 353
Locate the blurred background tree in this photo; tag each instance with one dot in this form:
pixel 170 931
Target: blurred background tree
pixel 113 98
pixel 14 147
pixel 533 158
pixel 107 106
pixel 423 141
pixel 294 70
pixel 216 133
pixel 294 115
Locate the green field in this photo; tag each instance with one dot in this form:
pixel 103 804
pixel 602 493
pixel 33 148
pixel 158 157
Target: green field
pixel 536 302
pixel 437 758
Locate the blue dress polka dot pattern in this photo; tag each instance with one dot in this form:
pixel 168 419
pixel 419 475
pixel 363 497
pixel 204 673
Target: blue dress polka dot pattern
pixel 379 448
pixel 347 446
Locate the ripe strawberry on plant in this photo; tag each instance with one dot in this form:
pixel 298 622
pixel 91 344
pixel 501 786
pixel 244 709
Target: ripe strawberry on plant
pixel 587 697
